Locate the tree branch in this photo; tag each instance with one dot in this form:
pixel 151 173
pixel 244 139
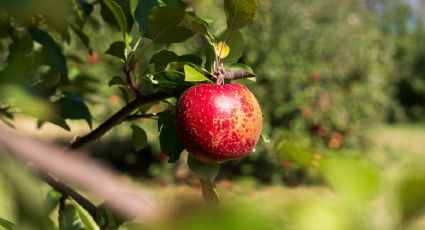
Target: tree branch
pixel 82 172
pixel 69 192
pixel 141 116
pixel 121 115
pixel 236 74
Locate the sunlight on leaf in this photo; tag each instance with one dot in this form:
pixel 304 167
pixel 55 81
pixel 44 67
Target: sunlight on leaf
pixel 222 49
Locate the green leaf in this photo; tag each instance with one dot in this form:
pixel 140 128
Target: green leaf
pixel 86 7
pixel 19 52
pixel 191 58
pixel 83 37
pixel 71 106
pixel 108 219
pixel 56 121
pixel 167 29
pixel 117 12
pixel 52 51
pixel 142 13
pixel 205 172
pixel 410 194
pixel 239 13
pixel 193 75
pixel 265 138
pixel 69 218
pixel 236 43
pixel 353 179
pixel 7 224
pixel 116 81
pixel 117 49
pixel 86 218
pixel 139 139
pixel 168 138
pixel 196 24
pixel 169 77
pixel 162 58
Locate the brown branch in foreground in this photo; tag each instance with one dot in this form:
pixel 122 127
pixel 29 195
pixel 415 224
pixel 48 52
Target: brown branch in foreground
pixel 118 117
pixel 76 169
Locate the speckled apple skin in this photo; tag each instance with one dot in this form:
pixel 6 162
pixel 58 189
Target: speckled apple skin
pixel 216 123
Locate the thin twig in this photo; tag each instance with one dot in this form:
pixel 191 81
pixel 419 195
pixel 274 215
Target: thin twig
pixel 69 192
pixel 117 118
pixel 61 217
pixel 141 116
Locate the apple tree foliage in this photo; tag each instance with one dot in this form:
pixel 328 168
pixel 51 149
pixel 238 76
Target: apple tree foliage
pixel 42 43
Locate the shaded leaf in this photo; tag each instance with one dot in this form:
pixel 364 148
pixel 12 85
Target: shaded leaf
pixel 86 7
pixel 168 29
pixel 14 71
pixel 83 37
pixel 117 49
pixel 116 81
pixel 239 13
pixel 162 58
pixel 69 218
pixel 106 218
pixel 71 106
pixel 56 121
pixel 139 139
pixel 112 7
pixel 52 51
pixel 168 138
pixel 193 75
pixel 142 13
pixel 169 77
pixel 191 58
pixel 205 172
pixel 195 24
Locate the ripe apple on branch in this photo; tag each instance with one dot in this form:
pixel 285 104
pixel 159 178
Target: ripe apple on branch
pixel 218 122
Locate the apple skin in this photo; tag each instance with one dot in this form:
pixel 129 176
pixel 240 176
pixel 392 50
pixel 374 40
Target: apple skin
pixel 216 123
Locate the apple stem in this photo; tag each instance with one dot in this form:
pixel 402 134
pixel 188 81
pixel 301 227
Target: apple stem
pixel 220 74
pixel 209 192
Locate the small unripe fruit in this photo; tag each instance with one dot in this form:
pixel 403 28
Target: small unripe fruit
pixel 216 123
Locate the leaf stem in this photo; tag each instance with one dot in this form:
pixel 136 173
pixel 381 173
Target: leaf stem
pixel 209 192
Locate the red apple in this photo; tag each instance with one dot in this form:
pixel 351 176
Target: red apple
pixel 218 122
